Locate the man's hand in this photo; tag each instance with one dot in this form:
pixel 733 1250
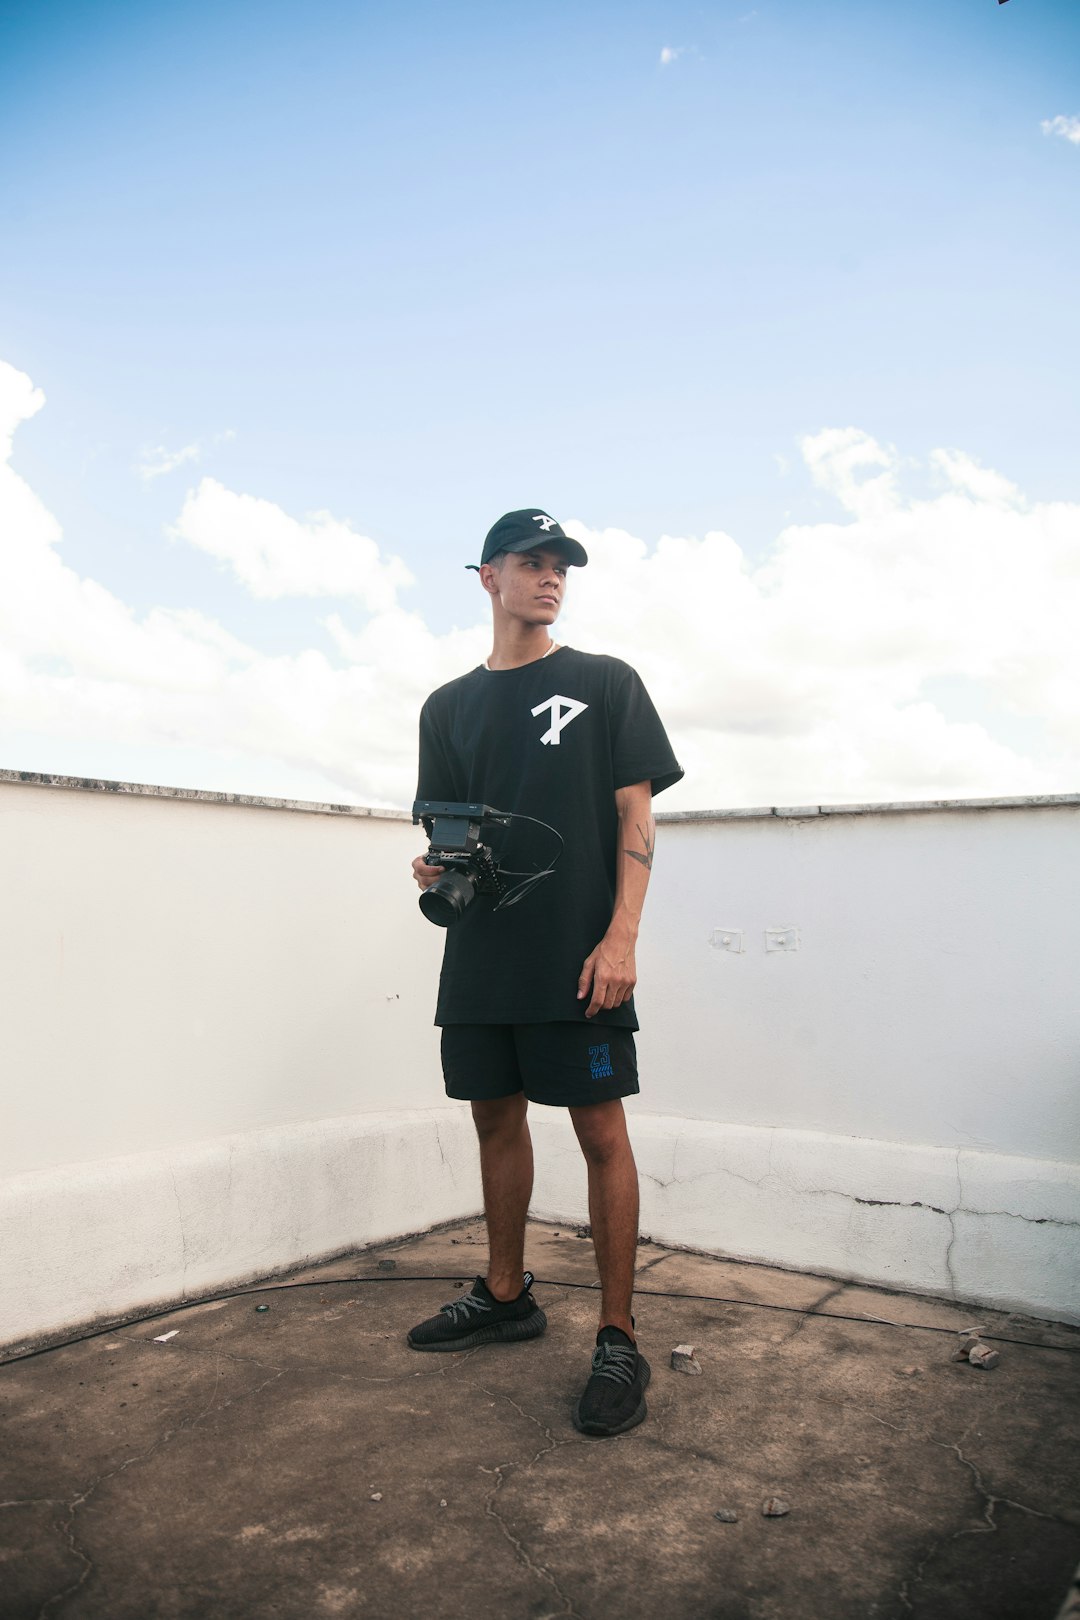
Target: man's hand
pixel 610 971
pixel 425 875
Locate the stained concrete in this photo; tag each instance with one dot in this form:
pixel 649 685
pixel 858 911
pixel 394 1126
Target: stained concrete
pixel 303 1462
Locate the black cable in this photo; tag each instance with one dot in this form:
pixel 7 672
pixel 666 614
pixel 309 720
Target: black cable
pixel 546 1282
pixel 518 891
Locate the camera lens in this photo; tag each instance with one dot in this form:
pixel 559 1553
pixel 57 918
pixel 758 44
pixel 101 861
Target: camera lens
pixel 445 901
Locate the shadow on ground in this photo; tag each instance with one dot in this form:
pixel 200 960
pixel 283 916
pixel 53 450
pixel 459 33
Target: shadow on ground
pixel 302 1461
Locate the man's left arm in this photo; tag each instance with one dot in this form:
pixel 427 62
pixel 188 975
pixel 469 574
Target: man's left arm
pixel 610 970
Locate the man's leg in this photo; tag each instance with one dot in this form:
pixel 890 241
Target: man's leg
pixel 613 1205
pixel 497 1309
pixel 506 1167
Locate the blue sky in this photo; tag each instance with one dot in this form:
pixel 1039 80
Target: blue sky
pixel 412 265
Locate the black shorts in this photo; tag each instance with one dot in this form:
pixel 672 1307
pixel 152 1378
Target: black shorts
pixel 563 1065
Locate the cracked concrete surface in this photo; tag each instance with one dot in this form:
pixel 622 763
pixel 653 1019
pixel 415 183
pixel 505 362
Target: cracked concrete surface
pixel 231 1472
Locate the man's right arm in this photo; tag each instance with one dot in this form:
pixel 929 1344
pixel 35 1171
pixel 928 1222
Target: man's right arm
pixel 434 781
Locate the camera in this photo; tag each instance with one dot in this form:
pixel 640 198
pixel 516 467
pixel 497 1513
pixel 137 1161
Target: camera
pixel 470 867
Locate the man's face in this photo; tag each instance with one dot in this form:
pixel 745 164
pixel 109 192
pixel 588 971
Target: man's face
pixel 530 585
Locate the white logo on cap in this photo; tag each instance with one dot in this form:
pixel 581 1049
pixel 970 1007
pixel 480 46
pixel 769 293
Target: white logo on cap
pixel 563 710
pixel 545 523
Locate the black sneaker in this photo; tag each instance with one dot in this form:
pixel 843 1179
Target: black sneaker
pixel 614 1398
pixel 479 1318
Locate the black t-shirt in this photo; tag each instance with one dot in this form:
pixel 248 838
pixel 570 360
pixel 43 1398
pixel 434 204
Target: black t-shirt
pixel 553 739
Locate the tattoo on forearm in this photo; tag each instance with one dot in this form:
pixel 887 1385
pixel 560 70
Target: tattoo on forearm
pixel 648 838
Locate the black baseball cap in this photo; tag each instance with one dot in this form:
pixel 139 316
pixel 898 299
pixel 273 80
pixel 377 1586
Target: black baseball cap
pixel 527 530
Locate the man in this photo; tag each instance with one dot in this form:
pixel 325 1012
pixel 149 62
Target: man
pixel 536 1000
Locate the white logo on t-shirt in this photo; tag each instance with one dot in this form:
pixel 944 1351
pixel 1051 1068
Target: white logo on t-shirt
pixel 563 710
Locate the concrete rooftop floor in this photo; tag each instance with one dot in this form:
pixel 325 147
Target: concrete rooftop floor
pixel 303 1462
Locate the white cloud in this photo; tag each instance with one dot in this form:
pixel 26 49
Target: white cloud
pixel 837 455
pixel 965 474
pixel 159 461
pixel 1067 128
pixel 19 401
pixel 276 555
pixel 805 680
pixel 671 53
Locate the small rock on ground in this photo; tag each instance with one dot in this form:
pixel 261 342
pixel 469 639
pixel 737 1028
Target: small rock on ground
pixel 684 1359
pixel 726 1516
pixel 981 1355
pixel 774 1507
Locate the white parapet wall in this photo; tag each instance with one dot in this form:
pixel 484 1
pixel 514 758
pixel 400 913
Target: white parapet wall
pixel 218 1051
pixel 859 1053
pixel 93 1242
pixel 986 1228
pixel 860 1048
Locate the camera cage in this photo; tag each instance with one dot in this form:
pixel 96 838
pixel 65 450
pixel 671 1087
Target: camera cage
pixel 454 829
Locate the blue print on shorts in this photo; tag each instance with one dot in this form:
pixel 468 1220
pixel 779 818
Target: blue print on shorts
pixel 600 1062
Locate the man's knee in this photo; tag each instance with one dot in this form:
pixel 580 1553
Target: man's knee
pixel 601 1131
pixel 496 1117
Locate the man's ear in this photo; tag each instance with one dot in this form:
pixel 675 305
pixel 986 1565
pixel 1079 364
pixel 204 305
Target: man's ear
pixel 489 579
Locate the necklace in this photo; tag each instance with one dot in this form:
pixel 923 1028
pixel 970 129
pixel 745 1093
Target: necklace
pixel 487 662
